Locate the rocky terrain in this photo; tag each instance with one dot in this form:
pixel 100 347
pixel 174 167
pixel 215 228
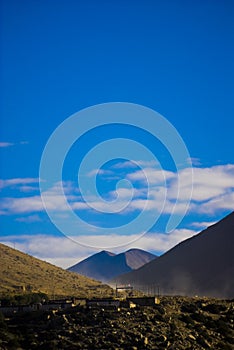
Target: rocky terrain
pixel 177 323
pixel 105 265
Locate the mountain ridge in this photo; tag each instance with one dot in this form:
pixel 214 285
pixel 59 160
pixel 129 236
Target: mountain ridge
pixel 202 265
pixel 106 265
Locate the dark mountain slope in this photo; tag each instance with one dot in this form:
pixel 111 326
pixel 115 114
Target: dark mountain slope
pixel 104 266
pixel 201 265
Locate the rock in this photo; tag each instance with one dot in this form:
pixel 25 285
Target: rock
pixel 188 308
pixel 202 341
pixel 178 323
pixel 191 337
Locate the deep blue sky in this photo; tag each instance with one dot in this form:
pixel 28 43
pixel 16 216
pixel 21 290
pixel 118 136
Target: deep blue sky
pixel 57 57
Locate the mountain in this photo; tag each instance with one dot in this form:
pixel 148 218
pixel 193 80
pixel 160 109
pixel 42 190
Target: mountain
pixel 21 272
pixel 202 265
pixel 105 265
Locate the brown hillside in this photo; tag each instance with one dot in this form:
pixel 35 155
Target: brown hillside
pixel 21 272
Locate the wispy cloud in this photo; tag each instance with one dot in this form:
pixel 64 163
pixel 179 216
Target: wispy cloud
pixel 203 224
pixel 224 202
pixel 195 161
pixel 9 144
pixel 6 144
pixel 18 181
pixel 134 164
pixel 29 219
pixel 27 189
pixel 9 206
pixel 96 172
pixel 34 204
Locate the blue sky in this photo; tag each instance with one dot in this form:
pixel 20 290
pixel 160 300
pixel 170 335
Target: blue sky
pixel 175 57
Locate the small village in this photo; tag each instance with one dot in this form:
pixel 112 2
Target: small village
pixel 115 303
pixel 131 322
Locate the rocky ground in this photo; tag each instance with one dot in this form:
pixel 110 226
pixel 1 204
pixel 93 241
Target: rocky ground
pixel 177 323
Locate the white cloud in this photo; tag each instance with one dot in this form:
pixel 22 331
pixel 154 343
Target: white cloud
pixel 6 144
pixel 29 219
pixel 18 181
pixel 96 172
pixel 65 263
pixel 203 224
pixel 163 242
pixel 147 163
pixel 9 144
pixel 128 193
pixel 151 176
pixel 135 164
pixel 124 165
pixel 213 190
pixel 64 252
pixel 224 202
pixel 27 189
pixel 32 204
pixel 207 182
pixel 218 175
pixel 194 161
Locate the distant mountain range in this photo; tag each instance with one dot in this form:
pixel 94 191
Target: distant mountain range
pixel 202 265
pixel 105 265
pixel 22 272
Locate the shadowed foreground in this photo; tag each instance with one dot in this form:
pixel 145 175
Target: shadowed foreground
pixel 176 323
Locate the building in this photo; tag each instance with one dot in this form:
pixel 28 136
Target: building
pixel 51 305
pixel 103 302
pixel 144 301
